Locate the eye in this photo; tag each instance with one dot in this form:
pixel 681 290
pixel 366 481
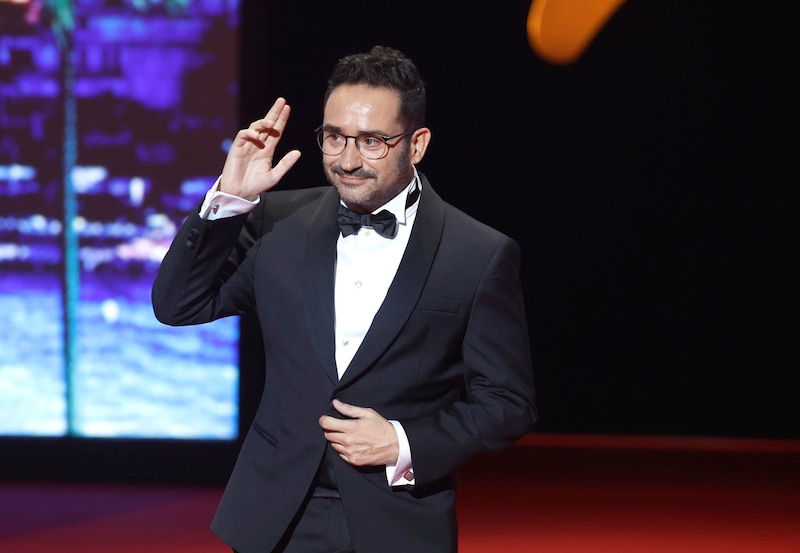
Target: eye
pixel 334 138
pixel 370 141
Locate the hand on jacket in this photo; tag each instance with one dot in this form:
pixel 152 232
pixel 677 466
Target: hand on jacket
pixel 249 168
pixel 363 438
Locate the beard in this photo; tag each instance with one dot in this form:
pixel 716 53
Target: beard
pixel 377 189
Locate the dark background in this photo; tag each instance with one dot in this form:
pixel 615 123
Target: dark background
pixel 649 184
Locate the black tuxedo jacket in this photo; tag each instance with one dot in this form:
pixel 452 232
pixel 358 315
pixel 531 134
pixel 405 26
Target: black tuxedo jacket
pixel 447 355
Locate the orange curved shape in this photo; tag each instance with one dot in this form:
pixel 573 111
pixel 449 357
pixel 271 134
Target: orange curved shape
pixel 559 31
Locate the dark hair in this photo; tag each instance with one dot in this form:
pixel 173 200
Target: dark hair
pixel 384 67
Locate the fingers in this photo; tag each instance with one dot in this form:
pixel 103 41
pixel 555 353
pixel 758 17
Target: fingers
pixel 351 411
pixel 273 123
pixel 276 108
pixel 283 166
pixel 265 134
pixel 342 407
pixel 355 418
pixel 361 441
pixel 268 129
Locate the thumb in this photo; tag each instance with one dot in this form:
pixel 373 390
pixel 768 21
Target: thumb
pixel 345 408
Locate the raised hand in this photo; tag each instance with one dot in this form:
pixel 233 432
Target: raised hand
pixel 249 168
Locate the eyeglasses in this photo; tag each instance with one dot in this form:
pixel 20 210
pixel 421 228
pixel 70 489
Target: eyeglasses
pixel 371 146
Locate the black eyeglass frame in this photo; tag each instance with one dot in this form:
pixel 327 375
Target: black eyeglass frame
pixel 319 130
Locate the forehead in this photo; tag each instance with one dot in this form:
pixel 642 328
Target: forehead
pixel 360 107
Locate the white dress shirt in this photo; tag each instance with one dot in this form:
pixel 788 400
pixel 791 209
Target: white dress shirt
pixel 366 264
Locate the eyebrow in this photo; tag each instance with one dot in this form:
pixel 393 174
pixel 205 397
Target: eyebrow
pixel 333 128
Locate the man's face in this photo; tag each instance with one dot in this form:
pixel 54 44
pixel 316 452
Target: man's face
pixel 366 184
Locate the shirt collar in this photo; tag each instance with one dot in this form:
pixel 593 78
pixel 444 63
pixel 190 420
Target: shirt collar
pixel 397 205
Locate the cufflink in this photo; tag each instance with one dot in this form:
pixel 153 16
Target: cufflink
pixel 408 475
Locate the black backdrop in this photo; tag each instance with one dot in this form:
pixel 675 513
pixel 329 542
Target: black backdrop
pixel 648 183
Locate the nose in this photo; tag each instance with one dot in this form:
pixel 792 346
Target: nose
pixel 350 158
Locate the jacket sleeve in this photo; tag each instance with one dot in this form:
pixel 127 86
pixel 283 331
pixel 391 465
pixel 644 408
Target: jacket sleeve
pixel 498 405
pixel 188 288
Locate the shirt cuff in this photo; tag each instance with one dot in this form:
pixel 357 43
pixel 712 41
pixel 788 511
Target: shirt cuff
pixel 217 204
pixel 402 472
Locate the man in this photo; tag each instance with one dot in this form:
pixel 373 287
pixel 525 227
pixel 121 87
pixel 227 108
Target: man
pixel 390 360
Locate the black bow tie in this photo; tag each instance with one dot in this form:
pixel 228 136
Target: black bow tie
pixel 384 222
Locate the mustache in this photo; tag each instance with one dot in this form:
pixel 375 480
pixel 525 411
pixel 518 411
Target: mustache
pixel 359 173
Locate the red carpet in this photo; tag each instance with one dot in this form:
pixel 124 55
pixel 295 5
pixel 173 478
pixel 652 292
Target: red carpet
pixel 548 494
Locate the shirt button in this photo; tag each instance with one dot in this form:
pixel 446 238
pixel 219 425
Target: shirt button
pixel 357 284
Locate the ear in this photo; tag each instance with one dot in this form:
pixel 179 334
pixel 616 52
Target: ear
pixel 419 144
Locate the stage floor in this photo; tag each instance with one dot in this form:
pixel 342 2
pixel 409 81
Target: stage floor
pixel 547 494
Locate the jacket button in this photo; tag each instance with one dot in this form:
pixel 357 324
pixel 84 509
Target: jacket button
pixel 192 239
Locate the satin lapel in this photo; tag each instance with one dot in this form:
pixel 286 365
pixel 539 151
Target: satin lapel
pixel 319 277
pixel 406 286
